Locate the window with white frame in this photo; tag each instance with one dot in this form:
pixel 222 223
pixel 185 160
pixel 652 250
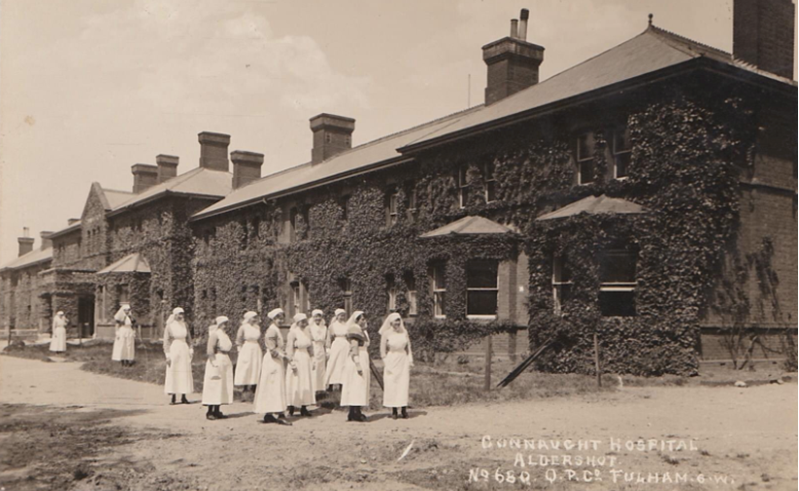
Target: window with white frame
pixel 617 278
pixel 392 206
pixel 410 292
pixel 438 287
pixel 391 291
pixel 346 293
pixel 463 186
pixel 561 284
pixel 490 182
pixel 481 288
pixel 586 171
pixel 622 150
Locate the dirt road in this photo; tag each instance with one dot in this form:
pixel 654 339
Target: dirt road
pixel 747 436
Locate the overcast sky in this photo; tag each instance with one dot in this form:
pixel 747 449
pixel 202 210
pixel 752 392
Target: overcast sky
pixel 90 87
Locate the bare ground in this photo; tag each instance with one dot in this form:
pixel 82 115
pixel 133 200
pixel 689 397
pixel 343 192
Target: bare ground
pixel 748 435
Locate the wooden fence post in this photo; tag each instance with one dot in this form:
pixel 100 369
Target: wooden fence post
pixel 488 364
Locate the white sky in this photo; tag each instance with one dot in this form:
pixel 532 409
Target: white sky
pixel 90 87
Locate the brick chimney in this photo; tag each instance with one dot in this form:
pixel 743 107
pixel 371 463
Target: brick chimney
pixel 47 242
pixel 512 62
pixel 25 242
pixel 213 150
pixel 144 176
pixel 331 135
pixel 167 167
pixel 762 34
pixel 246 167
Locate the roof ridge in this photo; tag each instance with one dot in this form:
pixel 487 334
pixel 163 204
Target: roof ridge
pixel 659 31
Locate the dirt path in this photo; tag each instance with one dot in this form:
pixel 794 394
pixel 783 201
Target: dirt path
pixel 748 435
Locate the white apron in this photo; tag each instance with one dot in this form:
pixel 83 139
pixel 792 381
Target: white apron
pixel 218 380
pixel 179 379
pixel 248 365
pixel 339 349
pixel 299 384
pixel 270 396
pixel 397 370
pixel 319 335
pixel 124 343
pixel 58 342
pixel 355 391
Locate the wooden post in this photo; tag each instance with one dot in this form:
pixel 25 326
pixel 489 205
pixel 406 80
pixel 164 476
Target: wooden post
pixel 488 364
pixel 596 361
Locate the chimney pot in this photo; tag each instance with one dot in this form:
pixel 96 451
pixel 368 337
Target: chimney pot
pixel 213 150
pixel 762 34
pixel 525 14
pixel 332 135
pixel 144 176
pixel 514 28
pixel 246 167
pixel 167 167
pixel 25 242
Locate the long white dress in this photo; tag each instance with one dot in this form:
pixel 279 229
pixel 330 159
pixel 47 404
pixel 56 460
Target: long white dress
pixel 355 391
pixel 58 342
pixel 319 337
pixel 397 368
pixel 248 365
pixel 270 396
pixel 299 384
pixel 339 348
pixel 179 379
pixel 218 380
pixel 124 342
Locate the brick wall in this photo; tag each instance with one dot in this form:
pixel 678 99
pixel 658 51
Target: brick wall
pixel 763 34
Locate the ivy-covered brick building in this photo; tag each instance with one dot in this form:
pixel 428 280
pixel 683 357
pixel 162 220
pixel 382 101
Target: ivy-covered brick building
pixel 645 198
pixel 646 195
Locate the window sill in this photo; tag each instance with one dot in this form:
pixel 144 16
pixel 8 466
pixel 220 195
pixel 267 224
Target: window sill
pixel 482 317
pixel 440 316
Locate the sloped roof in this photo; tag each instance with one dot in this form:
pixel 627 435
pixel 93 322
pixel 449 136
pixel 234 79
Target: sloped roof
pixel 595 205
pixel 361 157
pixel 650 51
pixel 116 198
pixel 196 182
pixel 29 259
pixel 469 225
pixel 133 263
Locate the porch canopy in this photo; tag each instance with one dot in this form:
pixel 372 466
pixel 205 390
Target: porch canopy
pixel 595 205
pixel 469 225
pixel 133 263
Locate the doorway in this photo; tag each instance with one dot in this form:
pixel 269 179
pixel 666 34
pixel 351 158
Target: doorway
pixel 86 316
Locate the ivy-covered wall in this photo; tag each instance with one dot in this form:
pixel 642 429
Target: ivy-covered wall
pixel 688 157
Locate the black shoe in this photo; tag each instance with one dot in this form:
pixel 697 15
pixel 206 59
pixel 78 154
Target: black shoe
pixel 404 414
pixel 281 416
pixel 183 400
pixel 172 402
pixel 362 418
pixel 268 418
pixel 291 410
pixel 220 415
pixel 304 412
pixel 211 416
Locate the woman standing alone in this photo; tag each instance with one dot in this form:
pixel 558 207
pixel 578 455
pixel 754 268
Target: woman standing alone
pixel 270 395
pixel 178 351
pixel 125 340
pixel 395 350
pixel 218 381
pixel 58 341
pixel 299 383
pixel 248 365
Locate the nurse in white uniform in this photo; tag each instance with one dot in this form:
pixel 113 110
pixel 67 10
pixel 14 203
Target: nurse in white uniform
pixel 299 350
pixel 58 341
pixel 395 350
pixel 337 349
pixel 218 380
pixel 270 395
pixel 178 351
pixel 355 392
pixel 125 340
pixel 319 337
pixel 248 365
